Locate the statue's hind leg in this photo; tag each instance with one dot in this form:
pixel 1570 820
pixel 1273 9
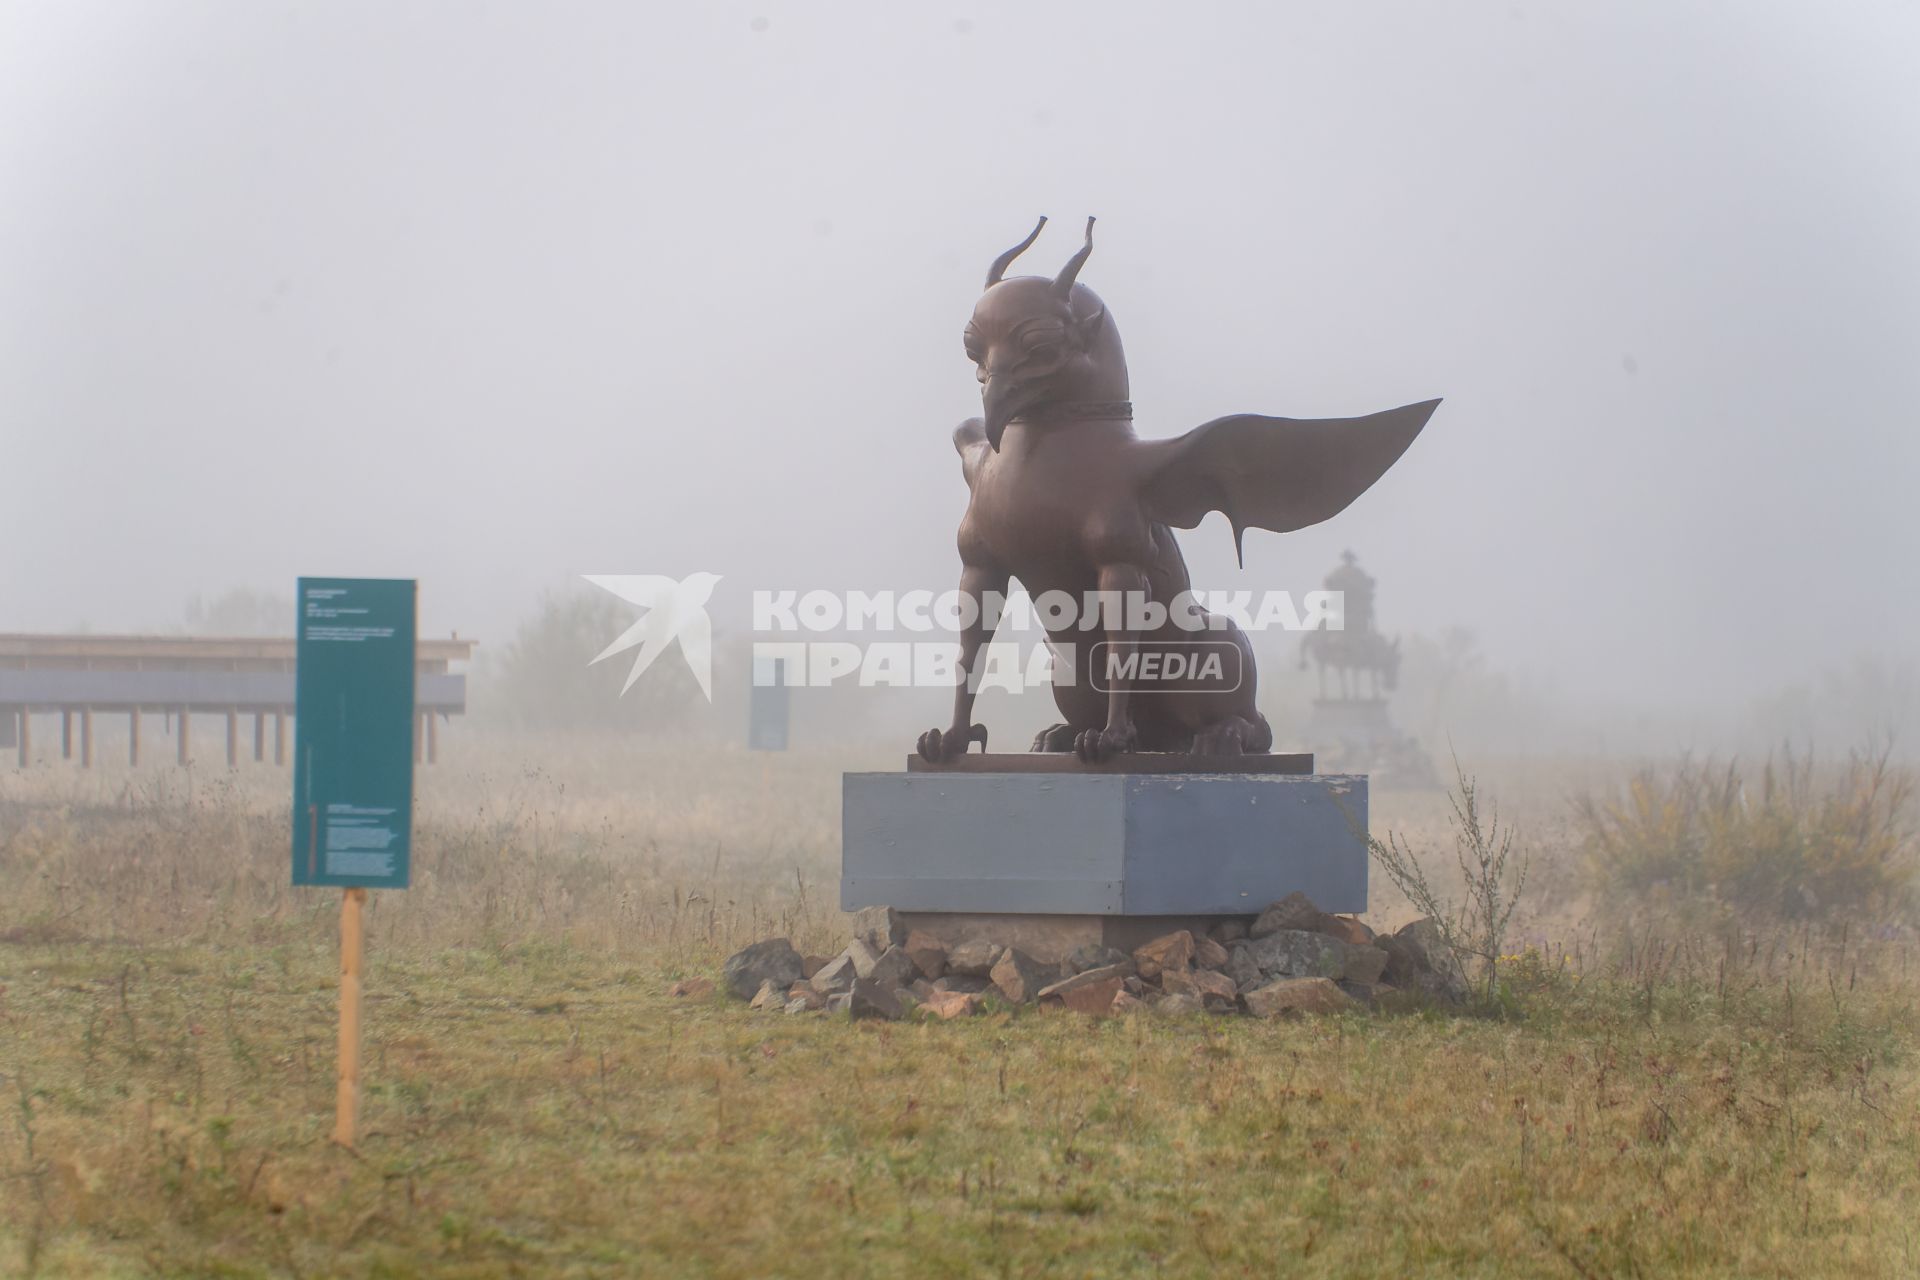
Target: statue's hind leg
pixel 1234 736
pixel 1081 705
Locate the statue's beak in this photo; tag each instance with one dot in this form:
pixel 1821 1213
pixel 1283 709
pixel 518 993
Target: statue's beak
pixel 1002 401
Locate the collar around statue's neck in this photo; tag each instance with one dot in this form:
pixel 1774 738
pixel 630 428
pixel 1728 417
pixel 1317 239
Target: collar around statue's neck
pixel 1076 411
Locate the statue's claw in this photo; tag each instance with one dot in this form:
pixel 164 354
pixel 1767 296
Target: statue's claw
pixel 1227 737
pixel 1095 745
pixel 938 747
pixel 1059 737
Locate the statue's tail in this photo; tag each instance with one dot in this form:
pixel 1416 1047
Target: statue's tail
pixel 1261 739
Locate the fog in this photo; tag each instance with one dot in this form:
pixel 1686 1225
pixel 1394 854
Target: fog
pixel 497 295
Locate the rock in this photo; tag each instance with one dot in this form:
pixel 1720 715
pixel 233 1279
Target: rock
pixel 1295 911
pixel 1348 930
pixel 1169 951
pixel 879 927
pixel 1019 976
pixel 1297 995
pixel 808 1003
pixel 1367 993
pixel 893 970
pixel 1086 977
pixel 1090 991
pixel 691 989
pixel 864 956
pixel 1228 932
pixel 1364 964
pixel 772 995
pixel 964 983
pixel 1418 959
pixel 835 976
pixel 1178 1006
pixel 1095 998
pixel 1423 942
pixel 928 953
pixel 775 960
pixel 1209 954
pixel 1215 991
pixel 871 1000
pixel 952 1004
pixel 1125 1003
pixel 1093 955
pixel 840 1002
pixel 1242 968
pixel 974 958
pixel 810 965
pixel 1298 953
pixel 1136 987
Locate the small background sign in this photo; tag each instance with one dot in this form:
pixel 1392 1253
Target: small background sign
pixel 767 706
pixel 353 733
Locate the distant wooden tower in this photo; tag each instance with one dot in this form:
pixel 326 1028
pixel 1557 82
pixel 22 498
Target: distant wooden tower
pixel 1350 729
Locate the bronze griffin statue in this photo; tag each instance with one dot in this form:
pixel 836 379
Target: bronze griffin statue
pixel 1066 498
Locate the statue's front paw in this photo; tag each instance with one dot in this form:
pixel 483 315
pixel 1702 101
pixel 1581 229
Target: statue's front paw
pixel 939 746
pixel 1095 745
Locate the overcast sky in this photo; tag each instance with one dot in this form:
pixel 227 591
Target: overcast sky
pixel 493 295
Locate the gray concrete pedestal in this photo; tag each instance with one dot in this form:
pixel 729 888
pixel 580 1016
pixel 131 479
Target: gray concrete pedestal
pixel 1105 855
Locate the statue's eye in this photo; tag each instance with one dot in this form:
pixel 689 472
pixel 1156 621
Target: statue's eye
pixel 1045 351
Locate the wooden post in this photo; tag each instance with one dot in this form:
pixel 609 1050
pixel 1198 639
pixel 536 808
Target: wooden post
pixel 86 737
pixel 133 737
pixel 346 1114
pixel 26 736
pixel 233 738
pixel 279 737
pixel 66 733
pixel 184 748
pixel 259 736
pixel 433 738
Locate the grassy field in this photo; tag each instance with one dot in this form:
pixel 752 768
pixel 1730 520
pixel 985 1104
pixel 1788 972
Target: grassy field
pixel 1649 1104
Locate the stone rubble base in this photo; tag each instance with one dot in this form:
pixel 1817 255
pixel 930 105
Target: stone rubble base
pixel 1291 959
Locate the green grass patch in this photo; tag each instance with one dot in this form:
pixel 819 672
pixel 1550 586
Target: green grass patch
pixel 556 1113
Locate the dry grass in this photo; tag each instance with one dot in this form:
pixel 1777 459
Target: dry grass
pixel 1657 1104
pixel 1790 840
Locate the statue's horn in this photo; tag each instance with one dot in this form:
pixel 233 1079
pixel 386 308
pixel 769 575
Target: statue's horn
pixel 1063 283
pixel 1005 260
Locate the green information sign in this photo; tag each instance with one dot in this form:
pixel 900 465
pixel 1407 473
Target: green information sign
pixel 353 733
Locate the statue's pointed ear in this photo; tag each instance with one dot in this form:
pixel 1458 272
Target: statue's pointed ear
pixel 1087 328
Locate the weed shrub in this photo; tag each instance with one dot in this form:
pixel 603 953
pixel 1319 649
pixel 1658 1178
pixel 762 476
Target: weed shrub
pixel 1492 876
pixel 1796 843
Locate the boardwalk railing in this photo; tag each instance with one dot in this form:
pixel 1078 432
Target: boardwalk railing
pixel 180 677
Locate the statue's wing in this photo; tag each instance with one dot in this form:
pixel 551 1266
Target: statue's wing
pixel 1274 473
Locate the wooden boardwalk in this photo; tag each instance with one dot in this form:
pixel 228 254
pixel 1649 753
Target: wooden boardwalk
pixel 179 677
